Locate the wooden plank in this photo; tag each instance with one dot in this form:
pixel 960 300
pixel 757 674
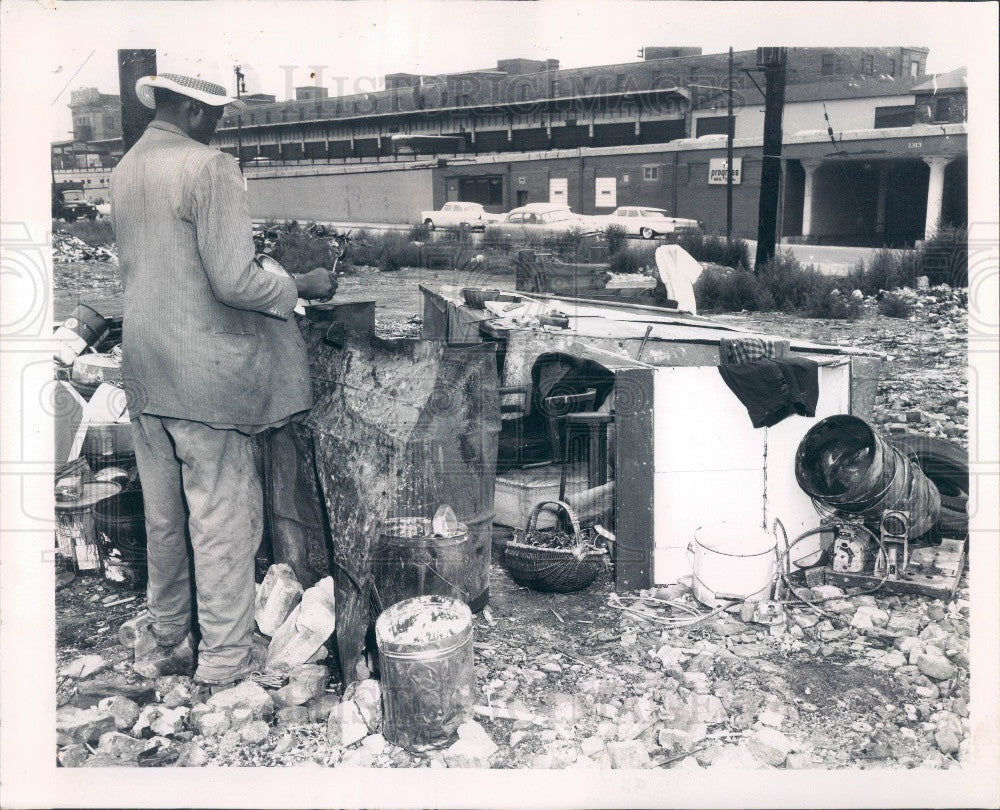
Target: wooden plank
pixel 634 479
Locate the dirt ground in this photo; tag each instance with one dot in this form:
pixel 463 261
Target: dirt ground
pixel 644 687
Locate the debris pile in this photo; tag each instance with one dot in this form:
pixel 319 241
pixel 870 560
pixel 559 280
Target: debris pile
pixel 67 248
pixel 867 680
pixel 939 405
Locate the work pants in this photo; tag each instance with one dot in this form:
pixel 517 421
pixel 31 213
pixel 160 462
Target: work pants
pixel 202 494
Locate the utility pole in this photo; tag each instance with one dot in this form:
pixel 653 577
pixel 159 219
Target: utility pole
pixel 772 62
pixel 240 89
pixel 729 154
pixel 133 64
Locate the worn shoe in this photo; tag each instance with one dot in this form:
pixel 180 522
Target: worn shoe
pixel 152 662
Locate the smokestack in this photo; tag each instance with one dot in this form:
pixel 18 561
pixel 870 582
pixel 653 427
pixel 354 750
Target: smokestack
pixel 133 64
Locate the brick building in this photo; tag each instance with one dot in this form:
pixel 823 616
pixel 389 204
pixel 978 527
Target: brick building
pixel 525 105
pixel 874 149
pixel 96 116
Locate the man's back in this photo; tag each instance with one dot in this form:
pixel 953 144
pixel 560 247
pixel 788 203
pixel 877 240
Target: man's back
pixel 203 338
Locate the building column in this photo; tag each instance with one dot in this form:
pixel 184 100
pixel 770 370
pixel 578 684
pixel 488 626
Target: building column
pixel 883 188
pixel 935 193
pixel 810 167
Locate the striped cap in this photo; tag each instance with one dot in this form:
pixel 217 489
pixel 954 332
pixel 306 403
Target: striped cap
pixel 204 91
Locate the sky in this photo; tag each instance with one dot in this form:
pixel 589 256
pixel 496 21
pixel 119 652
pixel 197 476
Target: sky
pixel 279 43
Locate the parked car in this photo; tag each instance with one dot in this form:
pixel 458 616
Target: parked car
pixel 456 214
pixel 648 222
pixel 545 218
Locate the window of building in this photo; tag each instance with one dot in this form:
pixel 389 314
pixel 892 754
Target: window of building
pixel 714 125
pixel 840 66
pixel 483 190
pixel 868 65
pixel 892 67
pixel 914 69
pixel 554 87
pixel 898 116
pixel 942 109
pixel 651 173
pixel 827 66
pixel 620 82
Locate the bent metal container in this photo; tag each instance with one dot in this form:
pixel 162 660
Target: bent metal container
pixel 845 465
pixel 428 675
pixel 82 329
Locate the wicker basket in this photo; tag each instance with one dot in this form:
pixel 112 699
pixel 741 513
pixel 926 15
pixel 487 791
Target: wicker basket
pixel 554 570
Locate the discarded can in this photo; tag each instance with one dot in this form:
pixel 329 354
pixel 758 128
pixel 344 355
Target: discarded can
pixel 75 534
pixel 428 675
pixel 81 330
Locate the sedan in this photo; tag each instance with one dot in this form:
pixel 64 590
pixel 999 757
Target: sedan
pixel 544 218
pixel 648 222
pixel 457 214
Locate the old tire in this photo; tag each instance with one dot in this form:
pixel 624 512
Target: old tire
pixel 946 464
pixel 646 233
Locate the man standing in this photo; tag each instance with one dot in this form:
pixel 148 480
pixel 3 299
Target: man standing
pixel 211 356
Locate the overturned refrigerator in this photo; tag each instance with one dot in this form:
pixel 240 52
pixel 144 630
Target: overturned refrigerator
pixel 399 428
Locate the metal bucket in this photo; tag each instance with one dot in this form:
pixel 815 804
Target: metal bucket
pixel 846 466
pixel 730 562
pixel 410 561
pixel 76 537
pixel 82 329
pixel 428 672
pixel 454 462
pixel 120 526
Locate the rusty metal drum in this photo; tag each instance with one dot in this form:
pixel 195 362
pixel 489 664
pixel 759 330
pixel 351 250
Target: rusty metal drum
pixel 428 673
pixel 410 560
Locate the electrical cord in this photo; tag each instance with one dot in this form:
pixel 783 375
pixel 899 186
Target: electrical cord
pixel 784 563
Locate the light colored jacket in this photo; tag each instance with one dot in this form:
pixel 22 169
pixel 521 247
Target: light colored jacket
pixel 208 336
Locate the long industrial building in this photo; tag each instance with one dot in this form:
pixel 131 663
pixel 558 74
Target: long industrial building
pixel 875 151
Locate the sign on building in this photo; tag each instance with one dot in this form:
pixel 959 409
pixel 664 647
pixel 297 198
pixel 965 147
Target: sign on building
pixel 559 190
pixel 605 192
pixel 717 171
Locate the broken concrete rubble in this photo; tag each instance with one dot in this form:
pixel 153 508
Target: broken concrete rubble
pixel 305 682
pixel 770 746
pixel 473 748
pixel 277 596
pixel 122 709
pixel 122 746
pixel 248 696
pixel 367 696
pixel 305 630
pixel 84 667
pixel 294 716
pixel 321 706
pixel 345 725
pixel 255 732
pixel 82 725
pixel 211 723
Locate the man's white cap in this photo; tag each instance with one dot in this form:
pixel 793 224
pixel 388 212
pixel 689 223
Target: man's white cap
pixel 199 89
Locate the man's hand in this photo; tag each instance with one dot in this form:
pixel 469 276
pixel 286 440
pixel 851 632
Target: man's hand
pixel 316 285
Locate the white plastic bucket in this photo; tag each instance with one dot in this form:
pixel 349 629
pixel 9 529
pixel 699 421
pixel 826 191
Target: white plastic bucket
pixel 737 562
